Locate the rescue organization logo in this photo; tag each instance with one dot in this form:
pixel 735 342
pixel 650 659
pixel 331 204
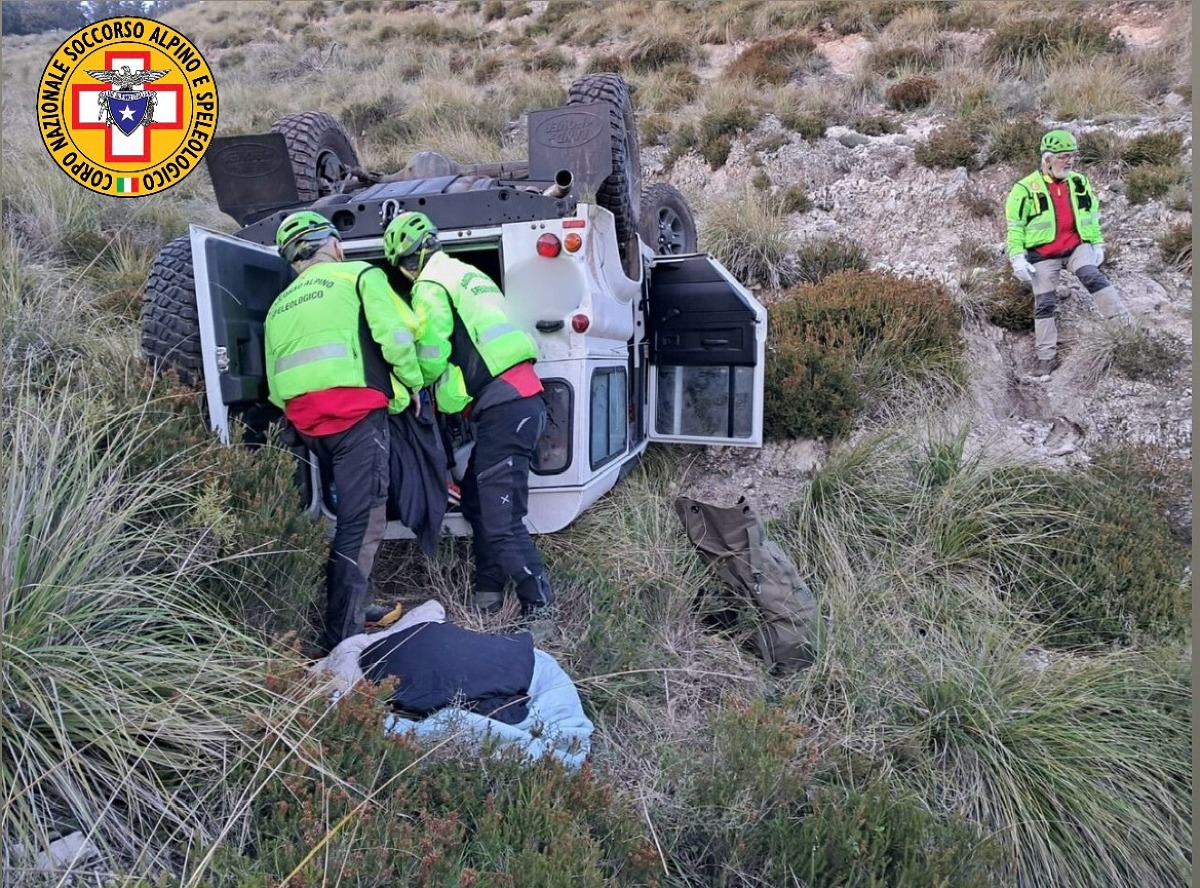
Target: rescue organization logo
pixel 127 106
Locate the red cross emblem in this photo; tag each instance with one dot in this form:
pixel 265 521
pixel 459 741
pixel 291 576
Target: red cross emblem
pixel 87 113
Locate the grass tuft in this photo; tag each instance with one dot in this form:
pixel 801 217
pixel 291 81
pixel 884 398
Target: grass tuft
pixel 749 236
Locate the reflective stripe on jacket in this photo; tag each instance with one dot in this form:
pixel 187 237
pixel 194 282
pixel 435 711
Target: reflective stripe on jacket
pixel 340 324
pixel 465 336
pixel 1029 212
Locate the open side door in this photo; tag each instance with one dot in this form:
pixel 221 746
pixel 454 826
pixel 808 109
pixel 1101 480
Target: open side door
pixel 236 282
pixel 708 345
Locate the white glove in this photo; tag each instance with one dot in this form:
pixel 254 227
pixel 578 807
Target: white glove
pixel 1098 250
pixel 1022 269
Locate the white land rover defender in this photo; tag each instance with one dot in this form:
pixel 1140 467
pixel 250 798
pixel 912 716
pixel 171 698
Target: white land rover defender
pixel 640 338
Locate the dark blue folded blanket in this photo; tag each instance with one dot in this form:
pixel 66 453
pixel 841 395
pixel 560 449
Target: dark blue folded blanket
pixel 440 664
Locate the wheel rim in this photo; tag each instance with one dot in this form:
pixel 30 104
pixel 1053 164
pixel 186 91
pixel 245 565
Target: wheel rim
pixel 330 172
pixel 671 240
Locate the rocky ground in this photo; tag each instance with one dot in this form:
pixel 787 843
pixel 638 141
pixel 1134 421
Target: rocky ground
pixel 910 220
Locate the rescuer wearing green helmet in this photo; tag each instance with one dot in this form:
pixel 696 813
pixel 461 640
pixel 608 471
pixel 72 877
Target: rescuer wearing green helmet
pixel 482 365
pixel 1054 221
pixel 340 356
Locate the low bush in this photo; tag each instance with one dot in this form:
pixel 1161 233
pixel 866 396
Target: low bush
pixel 1017 141
pixel 1161 148
pixel 820 258
pixel 1152 181
pixel 1146 354
pixel 876 125
pixel 773 61
pixel 793 199
pixel 1175 247
pixel 948 147
pixel 810 390
pixel 1025 42
pixel 1112 572
pixel 268 552
pixel 909 535
pixel 366 808
pixel 1010 303
pixel 811 126
pixel 836 346
pixel 911 93
pixel 755 803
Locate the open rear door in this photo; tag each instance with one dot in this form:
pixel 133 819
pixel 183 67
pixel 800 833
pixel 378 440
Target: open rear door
pixel 236 282
pixel 708 343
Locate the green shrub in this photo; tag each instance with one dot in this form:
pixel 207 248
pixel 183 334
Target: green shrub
pixel 1175 247
pixel 753 801
pixel 1152 181
pixel 876 125
pixel 871 837
pixel 820 258
pixel 1162 148
pixel 948 147
pixel 1112 572
pixel 1018 141
pixel 843 340
pixel 810 125
pixel 761 181
pixel 1010 303
pixel 269 554
pixel 1141 353
pixel 363 808
pixel 773 61
pixel 716 131
pixel 1024 42
pixel 911 536
pixel 793 199
pixel 810 389
pixel 911 93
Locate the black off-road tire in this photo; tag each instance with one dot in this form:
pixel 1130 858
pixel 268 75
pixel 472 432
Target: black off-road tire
pixel 620 193
pixel 320 151
pixel 667 224
pixel 170 326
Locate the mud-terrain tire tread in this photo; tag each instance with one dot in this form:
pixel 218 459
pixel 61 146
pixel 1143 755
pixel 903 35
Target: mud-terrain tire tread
pixel 309 135
pixel 620 193
pixel 170 327
pixel 665 204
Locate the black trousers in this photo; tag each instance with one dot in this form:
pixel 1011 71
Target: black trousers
pixel 357 461
pixel 495 498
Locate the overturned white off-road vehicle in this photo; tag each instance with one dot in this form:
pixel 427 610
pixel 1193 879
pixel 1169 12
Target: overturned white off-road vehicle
pixel 640 338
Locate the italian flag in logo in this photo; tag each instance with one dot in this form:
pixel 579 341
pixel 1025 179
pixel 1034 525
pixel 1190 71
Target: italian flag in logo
pixel 127 185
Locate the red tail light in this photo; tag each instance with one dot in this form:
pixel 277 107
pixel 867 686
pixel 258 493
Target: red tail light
pixel 548 245
pixel 580 323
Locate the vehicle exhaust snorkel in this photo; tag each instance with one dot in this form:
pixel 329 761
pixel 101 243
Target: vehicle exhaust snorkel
pixel 561 186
